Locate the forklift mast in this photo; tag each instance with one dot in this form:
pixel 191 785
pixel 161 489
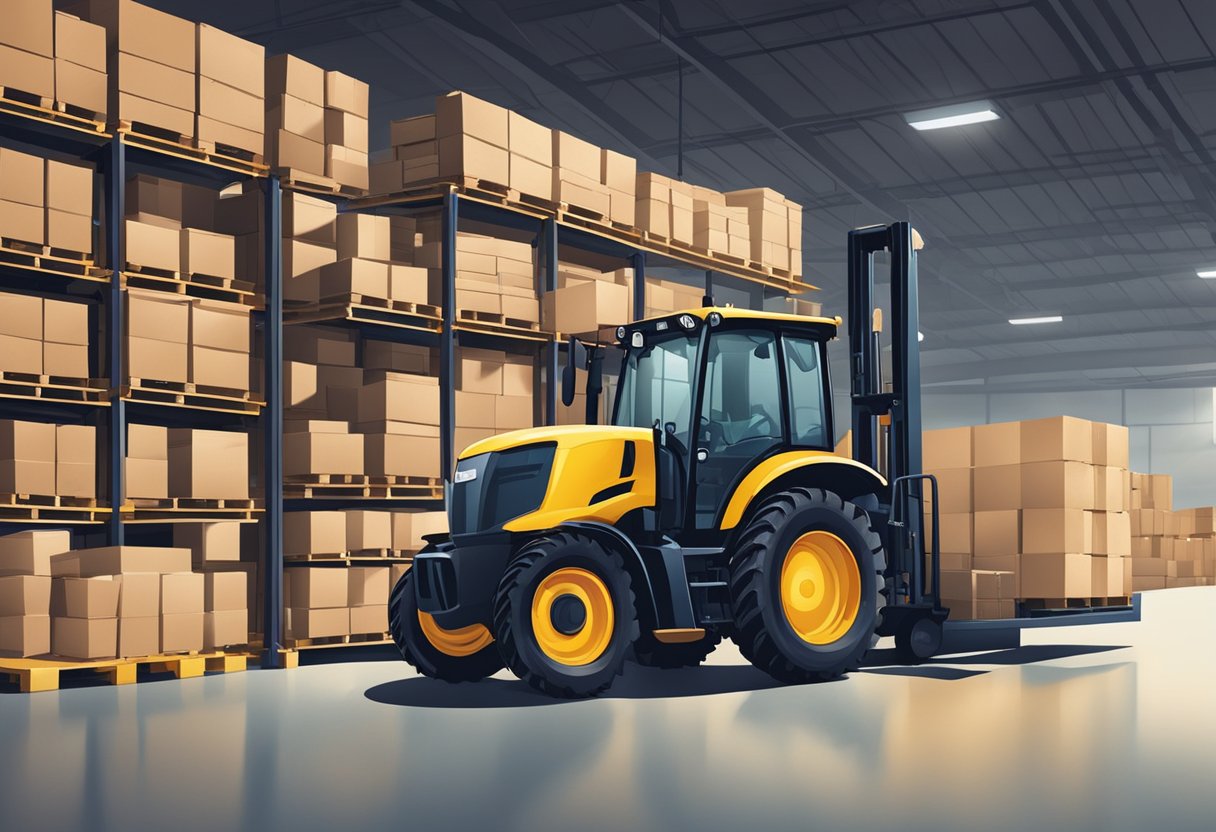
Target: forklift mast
pixel 900 406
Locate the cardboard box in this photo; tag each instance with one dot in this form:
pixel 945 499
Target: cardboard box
pixel 574 157
pixel 218 542
pixel 997 487
pixel 368 530
pixel 69 232
pixel 363 236
pixel 530 177
pixel 220 368
pixel 368 586
pixel 27 441
pixel 22 177
pixel 157 360
pixel 996 444
pixel 225 591
pixel 1056 575
pixel 346 94
pixel 208 464
pixel 310 218
pixel 84 638
pixel 369 618
pixel 150 246
pixel 400 455
pixel 618 171
pixel 306 454
pixel 289 75
pixel 28 26
pixel 355 276
pixel 287 150
pixel 180 632
pixel 1057 438
pixel 27 477
pixel 465 155
pixel 410 527
pixel 30 552
pixel 408 283
pixel 346 129
pixel 997 532
pixel 85 597
pixel 459 113
pixel 316 587
pixel 22 636
pixel 513 412
pixel 23 222
pixel 65 322
pixel 954 488
pixel 223 628
pixel 69 188
pixel 401 398
pixel 139 637
pixel 314 533
pixel 119 560
pixel 318 623
pixel 1110 444
pixel 220 325
pixel 955 533
pixel 1048 530
pixel 27 72
pixel 414 130
pixel 26 595
pixel 141 30
pixel 181 592
pixel 21 316
pixel 21 355
pixel 947 448
pixel 153 82
pixel 587 307
pixel 138 595
pixel 347 166
pixel 238 63
pixel 207 253
pixel 402 358
pixel 1057 485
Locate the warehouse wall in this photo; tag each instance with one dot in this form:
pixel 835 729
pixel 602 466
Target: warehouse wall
pixel 1171 428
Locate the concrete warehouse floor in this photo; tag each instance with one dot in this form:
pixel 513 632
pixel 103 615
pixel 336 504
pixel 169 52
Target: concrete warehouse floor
pixel 1108 727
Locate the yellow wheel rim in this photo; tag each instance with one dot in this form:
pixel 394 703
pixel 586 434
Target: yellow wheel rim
pixel 820 587
pixel 573 649
pixel 464 641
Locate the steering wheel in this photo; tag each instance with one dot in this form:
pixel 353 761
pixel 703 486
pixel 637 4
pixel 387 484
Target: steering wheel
pixel 715 439
pixel 761 417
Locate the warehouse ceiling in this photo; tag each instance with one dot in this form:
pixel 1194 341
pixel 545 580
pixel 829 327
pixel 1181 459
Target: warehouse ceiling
pixel 1093 197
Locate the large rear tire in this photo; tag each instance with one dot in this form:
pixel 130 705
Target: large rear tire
pixel 465 655
pixel 564 615
pixel 806 586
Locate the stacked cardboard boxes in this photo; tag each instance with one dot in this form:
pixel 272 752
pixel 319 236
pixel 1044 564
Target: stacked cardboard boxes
pixel 25 590
pixel 225 609
pixel 316 122
pixel 179 339
pixel 27 48
pixel 665 208
pixel 316 601
pixel 80 65
pixel 170 226
pixel 775 225
pixel 346 134
pixel 412 158
pixel 310 242
pixel 493 276
pixel 231 91
pixel 44 336
pixel 587 300
pixel 186 463
pixel 367 597
pixel 494 394
pixel 666 296
pixel 1041 499
pixel 719 227
pixel 152 64
pixel 41 458
pixel 146 467
pixel 46 202
pixel 1170 548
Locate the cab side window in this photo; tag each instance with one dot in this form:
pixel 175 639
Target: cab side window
pixel 804 376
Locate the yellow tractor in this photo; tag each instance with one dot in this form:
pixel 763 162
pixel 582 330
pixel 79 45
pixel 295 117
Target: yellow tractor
pixel 713 506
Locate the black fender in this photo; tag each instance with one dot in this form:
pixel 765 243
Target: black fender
pixel 618 541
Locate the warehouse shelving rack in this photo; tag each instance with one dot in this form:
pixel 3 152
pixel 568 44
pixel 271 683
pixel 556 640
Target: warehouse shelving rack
pixel 114 156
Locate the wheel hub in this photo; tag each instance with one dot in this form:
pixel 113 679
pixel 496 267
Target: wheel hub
pixel 820 587
pixel 568 614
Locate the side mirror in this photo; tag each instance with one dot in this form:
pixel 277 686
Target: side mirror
pixel 576 356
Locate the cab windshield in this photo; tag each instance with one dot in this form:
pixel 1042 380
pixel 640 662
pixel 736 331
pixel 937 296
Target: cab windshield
pixel 656 386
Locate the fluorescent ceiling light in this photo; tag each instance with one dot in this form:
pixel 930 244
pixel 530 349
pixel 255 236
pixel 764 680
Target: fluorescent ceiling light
pixel 1206 273
pixel 1046 319
pixel 956 115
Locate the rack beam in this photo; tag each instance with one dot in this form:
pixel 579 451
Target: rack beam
pixel 115 195
pixel 272 424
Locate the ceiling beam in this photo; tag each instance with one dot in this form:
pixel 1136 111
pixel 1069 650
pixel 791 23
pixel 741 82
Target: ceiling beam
pixel 1066 362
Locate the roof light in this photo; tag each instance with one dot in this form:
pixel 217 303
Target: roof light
pixel 920 336
pixel 1046 319
pixel 957 115
pixel 1207 274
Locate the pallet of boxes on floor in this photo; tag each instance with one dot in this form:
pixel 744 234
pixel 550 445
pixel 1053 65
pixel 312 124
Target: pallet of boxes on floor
pixel 1046 514
pixel 110 610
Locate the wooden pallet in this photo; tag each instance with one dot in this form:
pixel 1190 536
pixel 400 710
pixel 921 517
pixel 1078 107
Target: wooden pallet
pixel 397 314
pixel 171 143
pixel 47 501
pixel 81 114
pixel 193 396
pixel 341 491
pixel 41 108
pixel 15 509
pixel 44 673
pixel 299 180
pixel 192 504
pixel 58 389
pixel 360 479
pixel 196 285
pixel 188 510
pixel 361 556
pixel 1075 603
pixel 493 323
pixel 38 258
pixel 361 640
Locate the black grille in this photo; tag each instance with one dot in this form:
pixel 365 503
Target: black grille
pixel 499 486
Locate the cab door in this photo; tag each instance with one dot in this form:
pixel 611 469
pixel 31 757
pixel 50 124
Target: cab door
pixel 740 415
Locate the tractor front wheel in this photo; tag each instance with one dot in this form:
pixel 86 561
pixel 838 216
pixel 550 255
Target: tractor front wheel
pixel 464 655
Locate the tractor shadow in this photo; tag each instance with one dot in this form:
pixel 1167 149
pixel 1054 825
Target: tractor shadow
pixel 884 662
pixel 636 683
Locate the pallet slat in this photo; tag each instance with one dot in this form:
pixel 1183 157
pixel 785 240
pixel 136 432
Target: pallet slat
pixel 42 674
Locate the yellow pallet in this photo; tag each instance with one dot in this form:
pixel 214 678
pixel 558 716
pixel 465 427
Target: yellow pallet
pixel 43 674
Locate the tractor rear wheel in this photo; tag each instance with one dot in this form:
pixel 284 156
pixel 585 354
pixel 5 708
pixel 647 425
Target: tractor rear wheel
pixel 464 655
pixel 806 586
pixel 650 652
pixel 564 615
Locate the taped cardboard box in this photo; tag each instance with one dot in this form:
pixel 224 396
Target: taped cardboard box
pixel 23 636
pixel 27 72
pixel 30 552
pixel 22 178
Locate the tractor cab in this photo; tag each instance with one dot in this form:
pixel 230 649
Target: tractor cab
pixel 722 388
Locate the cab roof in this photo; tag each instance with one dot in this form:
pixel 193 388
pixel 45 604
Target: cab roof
pixel 736 313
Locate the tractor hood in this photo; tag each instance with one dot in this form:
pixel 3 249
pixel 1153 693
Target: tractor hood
pixel 538 478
